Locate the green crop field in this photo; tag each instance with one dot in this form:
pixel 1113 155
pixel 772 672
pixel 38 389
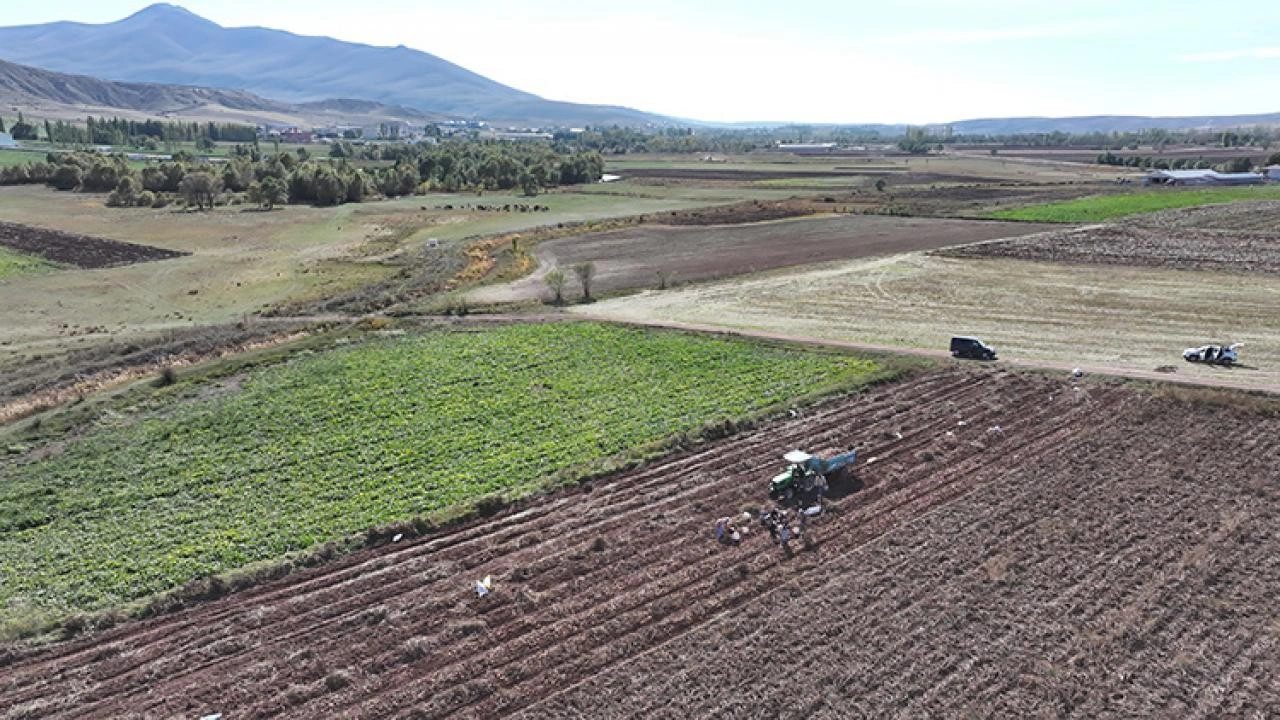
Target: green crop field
pixel 1098 208
pixel 13 263
pixel 20 157
pixel 335 442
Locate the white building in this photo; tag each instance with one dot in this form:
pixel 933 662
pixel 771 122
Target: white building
pixel 807 148
pixel 1201 177
pixel 1273 172
pixel 7 141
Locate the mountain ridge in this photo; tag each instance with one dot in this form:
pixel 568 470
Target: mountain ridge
pixel 77 95
pixel 182 48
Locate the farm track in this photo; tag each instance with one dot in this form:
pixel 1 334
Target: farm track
pixel 336 640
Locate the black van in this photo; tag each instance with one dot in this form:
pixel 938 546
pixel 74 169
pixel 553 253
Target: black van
pixel 971 347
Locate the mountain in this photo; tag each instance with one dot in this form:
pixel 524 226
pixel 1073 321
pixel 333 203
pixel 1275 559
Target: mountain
pixel 168 44
pixel 1107 123
pixel 58 95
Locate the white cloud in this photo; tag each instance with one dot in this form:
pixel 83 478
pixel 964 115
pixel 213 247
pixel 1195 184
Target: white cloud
pixel 1266 53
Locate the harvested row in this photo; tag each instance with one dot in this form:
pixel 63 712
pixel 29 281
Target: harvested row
pixel 1086 562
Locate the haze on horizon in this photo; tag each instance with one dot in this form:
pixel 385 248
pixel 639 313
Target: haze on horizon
pixel 820 61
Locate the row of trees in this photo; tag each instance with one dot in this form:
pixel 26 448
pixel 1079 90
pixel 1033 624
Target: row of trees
pixel 136 133
pixel 296 178
pixel 457 166
pixel 1240 164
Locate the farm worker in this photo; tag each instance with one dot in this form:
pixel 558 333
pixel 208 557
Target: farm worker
pixel 735 537
pixel 483 586
pixel 721 528
pixel 784 535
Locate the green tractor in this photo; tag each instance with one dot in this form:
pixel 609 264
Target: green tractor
pixel 807 474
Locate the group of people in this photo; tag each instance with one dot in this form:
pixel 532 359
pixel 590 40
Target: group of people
pixel 779 524
pixel 728 531
pixel 784 526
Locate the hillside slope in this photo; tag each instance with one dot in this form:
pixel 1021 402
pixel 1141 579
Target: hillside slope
pixel 168 44
pixel 47 94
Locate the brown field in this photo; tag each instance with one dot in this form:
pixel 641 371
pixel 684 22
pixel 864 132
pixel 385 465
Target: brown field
pixel 1009 545
pixel 631 258
pixel 1123 244
pixel 78 250
pixel 1089 155
pixel 900 174
pixel 1261 217
pixel 1237 237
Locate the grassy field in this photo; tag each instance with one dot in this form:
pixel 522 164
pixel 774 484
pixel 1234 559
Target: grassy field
pixel 13 264
pixel 1107 207
pixel 340 441
pixel 20 157
pixel 1100 316
pixel 243 261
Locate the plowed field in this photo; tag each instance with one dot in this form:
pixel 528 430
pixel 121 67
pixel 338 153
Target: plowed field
pixel 79 250
pixel 1132 244
pixel 1019 546
pixel 633 258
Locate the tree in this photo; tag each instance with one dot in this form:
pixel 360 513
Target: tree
pixel 125 193
pixel 555 280
pixel 66 177
pixel 585 272
pixel 23 130
pixel 269 192
pixel 330 187
pixel 1274 159
pixel 2 125
pixel 529 184
pixel 206 144
pixel 1238 165
pixel 200 188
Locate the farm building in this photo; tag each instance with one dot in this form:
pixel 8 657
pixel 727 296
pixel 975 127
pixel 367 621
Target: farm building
pixel 1201 177
pixel 1273 172
pixel 807 148
pixel 523 136
pixel 7 141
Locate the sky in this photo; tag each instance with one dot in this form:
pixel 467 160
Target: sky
pixel 819 61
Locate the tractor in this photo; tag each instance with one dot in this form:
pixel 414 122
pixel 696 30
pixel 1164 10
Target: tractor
pixel 807 474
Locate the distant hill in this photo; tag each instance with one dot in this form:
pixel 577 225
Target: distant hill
pixel 51 94
pixel 21 81
pixel 168 44
pixel 1107 123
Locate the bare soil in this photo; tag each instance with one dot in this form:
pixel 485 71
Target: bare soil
pixel 633 257
pixel 1008 545
pixel 79 250
pixel 739 213
pixel 1089 155
pixel 1252 217
pixel 1188 248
